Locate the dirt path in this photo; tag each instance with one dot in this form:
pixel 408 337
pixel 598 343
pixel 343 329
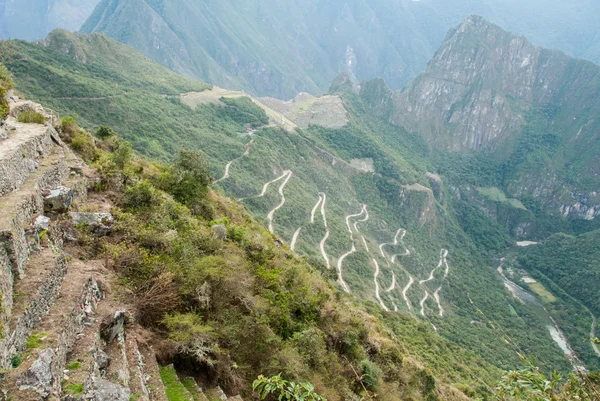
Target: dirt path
pixel 288 174
pixel 229 163
pixel 392 286
pixel 375 276
pixel 431 275
pixel 422 303
pixel 436 294
pixel 295 238
pixel 352 250
pixel 314 210
pixel 324 240
pixel 405 290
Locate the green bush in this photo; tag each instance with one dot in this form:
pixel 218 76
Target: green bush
pixel 140 196
pixel 84 145
pixel 104 132
pixel 31 117
pixel 285 390
pixel 370 375
pixel 74 389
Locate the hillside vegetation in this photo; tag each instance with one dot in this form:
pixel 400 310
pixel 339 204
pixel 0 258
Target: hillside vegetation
pixel 395 238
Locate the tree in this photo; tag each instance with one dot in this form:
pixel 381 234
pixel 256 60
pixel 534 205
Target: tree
pixel 285 390
pixel 104 132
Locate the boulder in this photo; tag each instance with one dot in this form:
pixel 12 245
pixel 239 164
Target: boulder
pixel 102 360
pixel 100 223
pixel 112 326
pixel 39 376
pixel 219 232
pixel 41 223
pixel 59 200
pixel 108 391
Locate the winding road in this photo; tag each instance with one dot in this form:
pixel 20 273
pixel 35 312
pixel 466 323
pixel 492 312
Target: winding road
pixel 314 209
pixel 405 290
pixel 295 238
pixel 288 174
pixel 436 294
pixel 352 250
pixel 375 276
pixel 228 165
pixel 422 303
pixel 324 240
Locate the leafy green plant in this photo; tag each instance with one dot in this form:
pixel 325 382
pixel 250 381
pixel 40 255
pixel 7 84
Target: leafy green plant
pixel 84 145
pixel 104 132
pixel 285 390
pixel 74 365
pixel 16 361
pixel 74 389
pixel 31 117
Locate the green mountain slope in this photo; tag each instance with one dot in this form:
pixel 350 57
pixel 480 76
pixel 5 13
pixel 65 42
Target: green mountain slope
pixel 279 49
pixel 439 274
pixel 532 110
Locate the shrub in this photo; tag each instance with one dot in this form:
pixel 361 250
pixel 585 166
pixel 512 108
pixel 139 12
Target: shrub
pixel 140 196
pixel 285 390
pixel 69 129
pixel 104 132
pixel 34 340
pixel 84 145
pixel 6 80
pixel 31 117
pixel 370 374
pixel 123 155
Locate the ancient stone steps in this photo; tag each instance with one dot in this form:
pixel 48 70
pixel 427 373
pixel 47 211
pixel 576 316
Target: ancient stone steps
pixel 21 152
pixel 18 208
pixel 33 298
pixel 42 373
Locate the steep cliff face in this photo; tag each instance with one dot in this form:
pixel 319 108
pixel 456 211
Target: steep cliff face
pixel 483 80
pixel 531 109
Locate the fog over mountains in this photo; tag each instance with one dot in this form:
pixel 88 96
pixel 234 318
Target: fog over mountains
pixel 230 43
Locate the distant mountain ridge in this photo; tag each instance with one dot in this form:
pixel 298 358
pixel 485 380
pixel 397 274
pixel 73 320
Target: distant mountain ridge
pixel 278 49
pixel 533 111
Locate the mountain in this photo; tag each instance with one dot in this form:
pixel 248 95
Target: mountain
pixel 278 49
pixel 33 19
pixel 532 111
pixel 124 278
pixel 358 197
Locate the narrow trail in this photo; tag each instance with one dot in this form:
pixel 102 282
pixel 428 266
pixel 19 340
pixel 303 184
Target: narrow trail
pixel 324 240
pixel 289 174
pixel 400 233
pixel 436 294
pixel 295 238
pixel 314 210
pixel 266 186
pixel 405 290
pixel 422 303
pixel 392 286
pixel 375 276
pixel 352 250
pixel 229 163
pixel 377 270
pixel 226 175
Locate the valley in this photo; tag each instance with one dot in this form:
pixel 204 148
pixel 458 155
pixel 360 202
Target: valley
pixel 368 187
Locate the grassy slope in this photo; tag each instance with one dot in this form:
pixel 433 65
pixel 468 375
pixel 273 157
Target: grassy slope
pixel 138 110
